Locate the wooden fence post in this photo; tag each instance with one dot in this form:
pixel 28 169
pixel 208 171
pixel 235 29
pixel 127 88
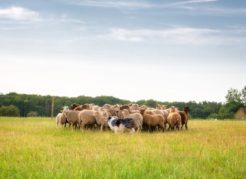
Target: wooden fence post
pixel 52 106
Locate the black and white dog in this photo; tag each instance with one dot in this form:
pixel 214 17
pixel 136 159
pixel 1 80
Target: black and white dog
pixel 121 125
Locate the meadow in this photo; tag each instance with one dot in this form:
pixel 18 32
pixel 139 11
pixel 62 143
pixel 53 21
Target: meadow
pixel 37 148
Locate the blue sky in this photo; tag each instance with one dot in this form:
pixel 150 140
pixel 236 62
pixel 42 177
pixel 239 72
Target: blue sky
pixel 167 50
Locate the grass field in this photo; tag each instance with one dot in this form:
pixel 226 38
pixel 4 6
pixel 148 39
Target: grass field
pixel 36 148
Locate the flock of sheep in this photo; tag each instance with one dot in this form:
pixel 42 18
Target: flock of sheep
pixel 121 118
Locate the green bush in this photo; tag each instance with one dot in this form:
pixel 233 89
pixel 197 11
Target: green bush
pixel 32 114
pixel 214 116
pixel 9 111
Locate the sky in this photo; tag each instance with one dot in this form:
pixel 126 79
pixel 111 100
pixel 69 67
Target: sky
pixel 166 50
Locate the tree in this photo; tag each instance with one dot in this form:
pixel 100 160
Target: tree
pixel 228 110
pixel 9 111
pixel 243 93
pixel 233 95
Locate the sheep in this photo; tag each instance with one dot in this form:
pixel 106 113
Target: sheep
pixel 184 117
pixel 95 107
pixel 113 110
pixel 137 118
pixel 173 119
pixel 87 118
pixel 124 107
pixel 157 111
pixel 165 113
pixel 82 107
pixel 148 111
pixel 102 118
pixel 61 119
pixel 151 121
pixel 120 113
pixel 161 107
pixel 73 106
pixel 134 107
pixel 72 117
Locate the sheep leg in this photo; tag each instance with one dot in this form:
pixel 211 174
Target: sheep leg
pixel 101 128
pixel 138 128
pixel 186 126
pixel 165 126
pixel 116 129
pixel 162 126
pixel 82 126
pixel 169 127
pixel 74 126
pixel 178 127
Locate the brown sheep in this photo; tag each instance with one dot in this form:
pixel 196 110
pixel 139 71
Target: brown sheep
pixel 87 119
pixel 120 114
pixel 173 119
pixel 160 106
pixel 72 117
pixel 95 107
pixel 151 112
pixel 124 107
pixel 73 106
pixel 82 107
pixel 151 121
pixel 137 118
pixel 134 107
pixel 102 118
pixel 113 110
pixel 184 117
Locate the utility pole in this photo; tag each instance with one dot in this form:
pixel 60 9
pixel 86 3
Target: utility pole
pixel 52 106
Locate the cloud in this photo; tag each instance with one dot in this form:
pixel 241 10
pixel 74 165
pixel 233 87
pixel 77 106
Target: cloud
pixel 191 2
pixel 180 35
pixel 177 35
pixel 18 13
pixel 193 6
pixel 220 10
pixel 133 4
pixel 111 3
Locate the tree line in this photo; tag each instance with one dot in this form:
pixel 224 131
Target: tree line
pixel 14 104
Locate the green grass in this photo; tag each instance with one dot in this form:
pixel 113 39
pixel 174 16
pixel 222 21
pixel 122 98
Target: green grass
pixel 36 148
